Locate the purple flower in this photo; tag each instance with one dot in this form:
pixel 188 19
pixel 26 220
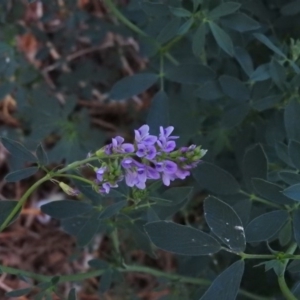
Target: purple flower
pixel 136 178
pixel 166 166
pixel 118 145
pixel 148 151
pixel 165 133
pixel 181 173
pixel 105 188
pixel 152 173
pixel 142 136
pixel 99 173
pixel 165 141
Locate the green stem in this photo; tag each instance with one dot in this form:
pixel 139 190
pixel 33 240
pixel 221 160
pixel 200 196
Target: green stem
pixel 257 256
pixel 137 30
pixel 286 292
pixel 74 176
pixel 22 201
pixel 261 200
pixel 126 269
pixel 162 75
pixel 123 19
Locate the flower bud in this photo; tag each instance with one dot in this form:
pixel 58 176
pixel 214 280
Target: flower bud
pixel 68 190
pixel 100 152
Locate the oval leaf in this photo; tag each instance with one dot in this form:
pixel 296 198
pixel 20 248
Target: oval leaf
pixel 63 209
pixel 296 225
pixel 199 39
pixel 17 149
pixel 182 240
pixel 112 209
pixel 223 9
pixel 132 85
pixel 190 74
pixel 266 226
pixel 234 88
pixel 21 174
pixel 294 151
pixel 222 38
pixel 263 39
pixel 88 230
pixel 293 192
pixel 254 165
pixel 215 179
pixel 227 284
pixel 19 293
pixel 72 294
pixel 240 22
pixel 291 117
pixel 41 155
pixel 225 223
pixel 270 191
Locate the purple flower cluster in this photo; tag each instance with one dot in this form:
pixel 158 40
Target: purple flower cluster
pixel 149 157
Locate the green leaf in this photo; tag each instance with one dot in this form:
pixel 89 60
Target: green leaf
pixel 199 39
pixel 296 225
pixel 261 73
pixel 225 223
pixel 178 194
pixel 185 27
pixel 19 293
pixel 18 150
pixel 234 88
pixel 6 207
pixel 209 91
pixel 235 115
pixel 240 22
pixel 196 3
pixel 291 8
pixel 158 114
pixel 271 191
pixel 169 31
pixel 282 153
pixel 88 230
pixel 73 225
pixel 112 209
pixel 42 155
pixel 215 179
pixel 254 165
pixel 72 294
pixel 244 59
pixel 63 209
pixel 278 73
pixel 293 192
pixel 294 153
pixel 190 74
pixel 105 281
pixel 132 85
pixel 227 284
pixel 266 103
pixel 222 38
pixel 223 9
pixel 21 174
pixel 182 240
pixel 289 177
pixel 180 12
pixel 88 192
pixel 291 118
pixel 263 39
pixel 154 9
pixel 285 234
pixel 266 226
